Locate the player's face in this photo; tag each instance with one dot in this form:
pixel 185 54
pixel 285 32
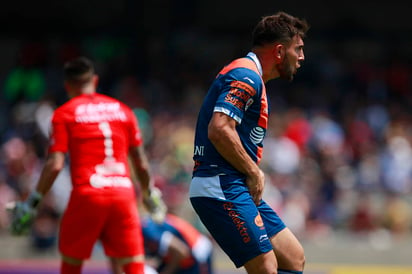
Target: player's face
pixel 293 57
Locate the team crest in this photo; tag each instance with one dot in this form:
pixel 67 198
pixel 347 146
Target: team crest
pixel 258 220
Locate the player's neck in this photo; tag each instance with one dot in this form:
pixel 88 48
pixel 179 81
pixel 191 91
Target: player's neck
pixel 265 56
pixel 88 89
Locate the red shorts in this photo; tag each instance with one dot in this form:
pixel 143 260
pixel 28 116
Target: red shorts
pixel 107 214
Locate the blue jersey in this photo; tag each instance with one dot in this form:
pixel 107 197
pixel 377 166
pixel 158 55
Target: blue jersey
pixel 239 92
pixel 158 235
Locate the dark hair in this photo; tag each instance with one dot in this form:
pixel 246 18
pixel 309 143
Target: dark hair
pixel 79 70
pixel 280 27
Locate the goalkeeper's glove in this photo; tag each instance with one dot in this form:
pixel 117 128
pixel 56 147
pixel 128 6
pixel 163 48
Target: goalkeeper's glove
pixel 152 200
pixel 22 213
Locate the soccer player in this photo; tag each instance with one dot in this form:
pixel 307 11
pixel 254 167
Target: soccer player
pixel 227 183
pixel 180 248
pixel 99 133
pixel 173 245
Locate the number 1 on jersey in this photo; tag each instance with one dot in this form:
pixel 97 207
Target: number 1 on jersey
pixel 108 141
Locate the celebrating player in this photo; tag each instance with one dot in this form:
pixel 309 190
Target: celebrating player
pixel 227 184
pixel 99 133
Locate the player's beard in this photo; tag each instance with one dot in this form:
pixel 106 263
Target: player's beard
pixel 285 69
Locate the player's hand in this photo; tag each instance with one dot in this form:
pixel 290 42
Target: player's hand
pixel 153 202
pixel 256 184
pixel 22 215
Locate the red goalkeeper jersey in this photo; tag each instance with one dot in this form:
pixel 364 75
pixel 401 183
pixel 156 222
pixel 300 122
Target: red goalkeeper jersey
pixel 97 132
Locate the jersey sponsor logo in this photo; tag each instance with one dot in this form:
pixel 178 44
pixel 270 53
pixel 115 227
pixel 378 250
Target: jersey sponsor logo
pixel 243 86
pixel 111 167
pixel 256 135
pixel 95 108
pixel 239 223
pixel 93 113
pixel 199 150
pixel 239 94
pixel 230 98
pixel 107 173
pixel 98 181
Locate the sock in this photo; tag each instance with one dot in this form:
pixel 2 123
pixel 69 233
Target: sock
pixel 67 268
pixel 134 268
pixel 282 271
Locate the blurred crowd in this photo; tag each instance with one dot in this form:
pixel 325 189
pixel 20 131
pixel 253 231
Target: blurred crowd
pixel 338 154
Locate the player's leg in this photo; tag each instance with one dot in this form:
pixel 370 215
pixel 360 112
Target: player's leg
pixel 237 228
pixel 70 265
pixel 262 264
pixel 132 265
pixel 122 237
pixel 241 229
pixel 115 266
pixel 289 252
pixel 128 265
pixel 79 229
pixel 287 249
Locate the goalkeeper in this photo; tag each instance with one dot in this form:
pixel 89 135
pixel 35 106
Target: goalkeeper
pixel 100 134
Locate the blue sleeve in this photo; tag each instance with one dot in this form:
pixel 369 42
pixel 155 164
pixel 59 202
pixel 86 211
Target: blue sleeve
pixel 239 89
pixel 152 234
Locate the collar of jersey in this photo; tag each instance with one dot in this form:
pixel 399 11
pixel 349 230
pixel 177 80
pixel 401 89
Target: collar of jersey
pixel 253 56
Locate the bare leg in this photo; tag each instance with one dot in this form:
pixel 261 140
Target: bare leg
pixel 115 266
pixel 127 264
pixel 263 264
pixel 289 252
pixel 70 265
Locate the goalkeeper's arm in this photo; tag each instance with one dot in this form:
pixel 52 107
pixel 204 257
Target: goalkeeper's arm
pixel 23 212
pixel 141 166
pixel 54 164
pixel 152 198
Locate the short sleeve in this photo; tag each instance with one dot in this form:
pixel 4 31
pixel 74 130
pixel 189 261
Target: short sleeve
pixel 237 93
pixel 58 133
pixel 135 135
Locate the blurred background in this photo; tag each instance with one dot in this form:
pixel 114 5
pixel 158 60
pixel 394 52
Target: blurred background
pixel 338 155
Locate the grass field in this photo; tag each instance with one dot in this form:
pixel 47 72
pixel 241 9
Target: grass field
pixel 357 269
pixel 41 266
pixel 336 254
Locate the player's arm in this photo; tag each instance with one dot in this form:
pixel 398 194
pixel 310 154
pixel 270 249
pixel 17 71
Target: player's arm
pixel 54 164
pixel 176 250
pixel 152 199
pixel 23 212
pixel 59 142
pixel 223 135
pixel 141 167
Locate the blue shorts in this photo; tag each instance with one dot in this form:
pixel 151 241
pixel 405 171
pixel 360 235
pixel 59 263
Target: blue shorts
pixel 242 229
